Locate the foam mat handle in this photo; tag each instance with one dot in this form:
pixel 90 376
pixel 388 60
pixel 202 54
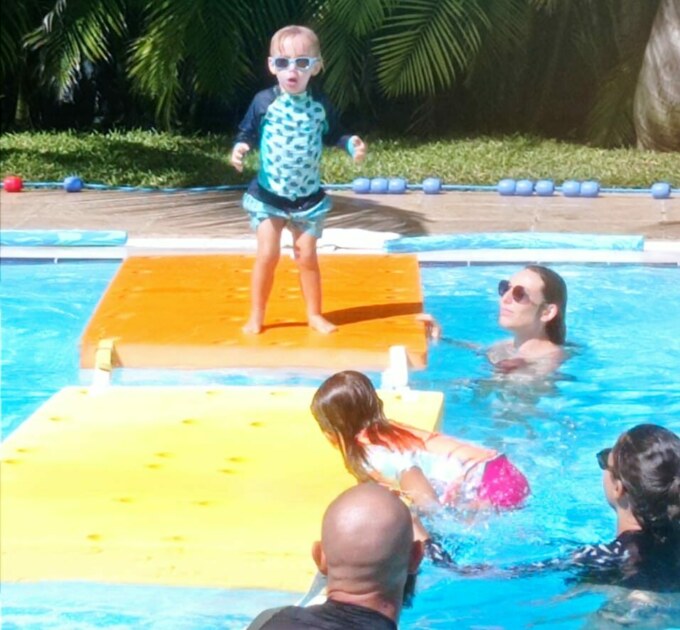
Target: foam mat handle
pixel 104 356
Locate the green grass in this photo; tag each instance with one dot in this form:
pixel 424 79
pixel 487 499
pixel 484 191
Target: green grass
pixel 144 158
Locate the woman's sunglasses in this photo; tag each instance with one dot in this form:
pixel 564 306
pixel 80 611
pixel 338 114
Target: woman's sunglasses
pixel 603 458
pixel 519 293
pixel 304 64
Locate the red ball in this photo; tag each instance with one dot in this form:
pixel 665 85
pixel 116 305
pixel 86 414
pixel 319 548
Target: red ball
pixel 13 183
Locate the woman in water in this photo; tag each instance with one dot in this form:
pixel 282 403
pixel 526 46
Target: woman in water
pixel 432 469
pixel 641 480
pixel 533 307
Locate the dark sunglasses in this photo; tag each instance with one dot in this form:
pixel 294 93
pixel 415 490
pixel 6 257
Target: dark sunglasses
pixel 519 293
pixel 603 458
pixel 299 63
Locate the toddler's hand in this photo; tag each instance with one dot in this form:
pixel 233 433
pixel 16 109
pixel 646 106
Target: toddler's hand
pixel 237 154
pixel 358 149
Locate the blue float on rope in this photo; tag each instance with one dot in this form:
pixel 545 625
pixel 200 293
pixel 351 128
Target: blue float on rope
pixel 524 187
pixel 379 185
pixel 571 188
pixel 432 185
pixel 361 185
pixel 661 190
pixel 73 183
pixel 544 187
pixel 590 189
pixel 396 185
pixel 506 187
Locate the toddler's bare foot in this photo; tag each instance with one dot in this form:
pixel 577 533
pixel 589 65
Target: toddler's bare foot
pixel 320 323
pixel 253 326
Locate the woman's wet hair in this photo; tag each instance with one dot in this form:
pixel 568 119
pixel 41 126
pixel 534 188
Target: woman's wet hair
pixel 647 461
pixel 345 405
pixel 554 292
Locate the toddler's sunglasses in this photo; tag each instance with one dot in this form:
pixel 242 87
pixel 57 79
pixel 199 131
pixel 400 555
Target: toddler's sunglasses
pixel 519 293
pixel 304 64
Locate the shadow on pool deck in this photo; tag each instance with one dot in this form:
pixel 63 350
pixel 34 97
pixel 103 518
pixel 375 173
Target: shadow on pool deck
pixel 219 214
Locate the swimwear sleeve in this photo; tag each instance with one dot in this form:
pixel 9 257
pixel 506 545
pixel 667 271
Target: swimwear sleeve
pixel 334 134
pixel 603 555
pixel 250 126
pixel 390 464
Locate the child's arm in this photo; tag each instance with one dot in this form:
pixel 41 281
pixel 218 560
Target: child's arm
pixel 248 134
pixel 356 147
pixel 414 484
pixel 334 134
pixel 237 154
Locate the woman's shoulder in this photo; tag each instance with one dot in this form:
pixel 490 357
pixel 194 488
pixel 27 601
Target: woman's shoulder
pixel 601 554
pixel 634 559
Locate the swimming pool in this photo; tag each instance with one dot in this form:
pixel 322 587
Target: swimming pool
pixel 626 357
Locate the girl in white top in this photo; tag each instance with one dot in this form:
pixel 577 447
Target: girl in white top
pixel 431 468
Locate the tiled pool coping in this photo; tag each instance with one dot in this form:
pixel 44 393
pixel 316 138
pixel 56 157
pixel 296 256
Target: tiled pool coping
pixel 653 252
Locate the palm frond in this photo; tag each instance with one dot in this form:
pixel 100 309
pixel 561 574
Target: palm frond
pixel 156 56
pixel 345 28
pixel 425 45
pixel 74 31
pixel 14 19
pixel 207 46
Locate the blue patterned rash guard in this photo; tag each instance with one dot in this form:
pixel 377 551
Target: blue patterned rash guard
pixel 290 131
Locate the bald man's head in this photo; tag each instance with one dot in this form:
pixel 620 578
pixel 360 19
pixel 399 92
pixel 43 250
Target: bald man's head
pixel 367 541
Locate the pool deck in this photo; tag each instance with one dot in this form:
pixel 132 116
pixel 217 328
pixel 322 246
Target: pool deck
pixel 212 218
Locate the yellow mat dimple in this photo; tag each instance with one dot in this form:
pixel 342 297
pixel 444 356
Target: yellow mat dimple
pixel 220 486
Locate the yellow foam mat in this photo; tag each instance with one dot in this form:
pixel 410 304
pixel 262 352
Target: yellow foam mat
pixel 219 486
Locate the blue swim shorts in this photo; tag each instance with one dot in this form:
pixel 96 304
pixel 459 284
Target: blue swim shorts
pixel 309 221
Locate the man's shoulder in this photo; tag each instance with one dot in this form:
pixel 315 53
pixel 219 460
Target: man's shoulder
pixel 327 616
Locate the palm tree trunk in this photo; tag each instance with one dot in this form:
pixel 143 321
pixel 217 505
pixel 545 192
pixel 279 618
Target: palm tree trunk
pixel 656 109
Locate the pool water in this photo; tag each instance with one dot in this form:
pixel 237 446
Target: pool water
pixel 624 332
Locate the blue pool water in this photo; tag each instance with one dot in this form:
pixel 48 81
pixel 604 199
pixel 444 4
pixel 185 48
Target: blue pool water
pixel 625 330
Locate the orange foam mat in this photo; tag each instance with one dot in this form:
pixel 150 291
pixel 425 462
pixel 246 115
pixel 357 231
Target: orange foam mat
pixel 188 311
pixel 192 486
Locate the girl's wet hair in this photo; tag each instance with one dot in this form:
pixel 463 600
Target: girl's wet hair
pixel 647 461
pixel 345 405
pixel 554 292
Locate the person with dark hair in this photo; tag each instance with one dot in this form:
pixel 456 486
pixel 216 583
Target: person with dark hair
pixel 533 307
pixel 641 479
pixel 370 559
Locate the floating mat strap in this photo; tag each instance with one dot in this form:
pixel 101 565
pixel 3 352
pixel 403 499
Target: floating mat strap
pixel 63 238
pixel 104 361
pixel 516 240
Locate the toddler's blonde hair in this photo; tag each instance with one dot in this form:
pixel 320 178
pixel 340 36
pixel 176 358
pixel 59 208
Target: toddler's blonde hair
pixel 290 32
